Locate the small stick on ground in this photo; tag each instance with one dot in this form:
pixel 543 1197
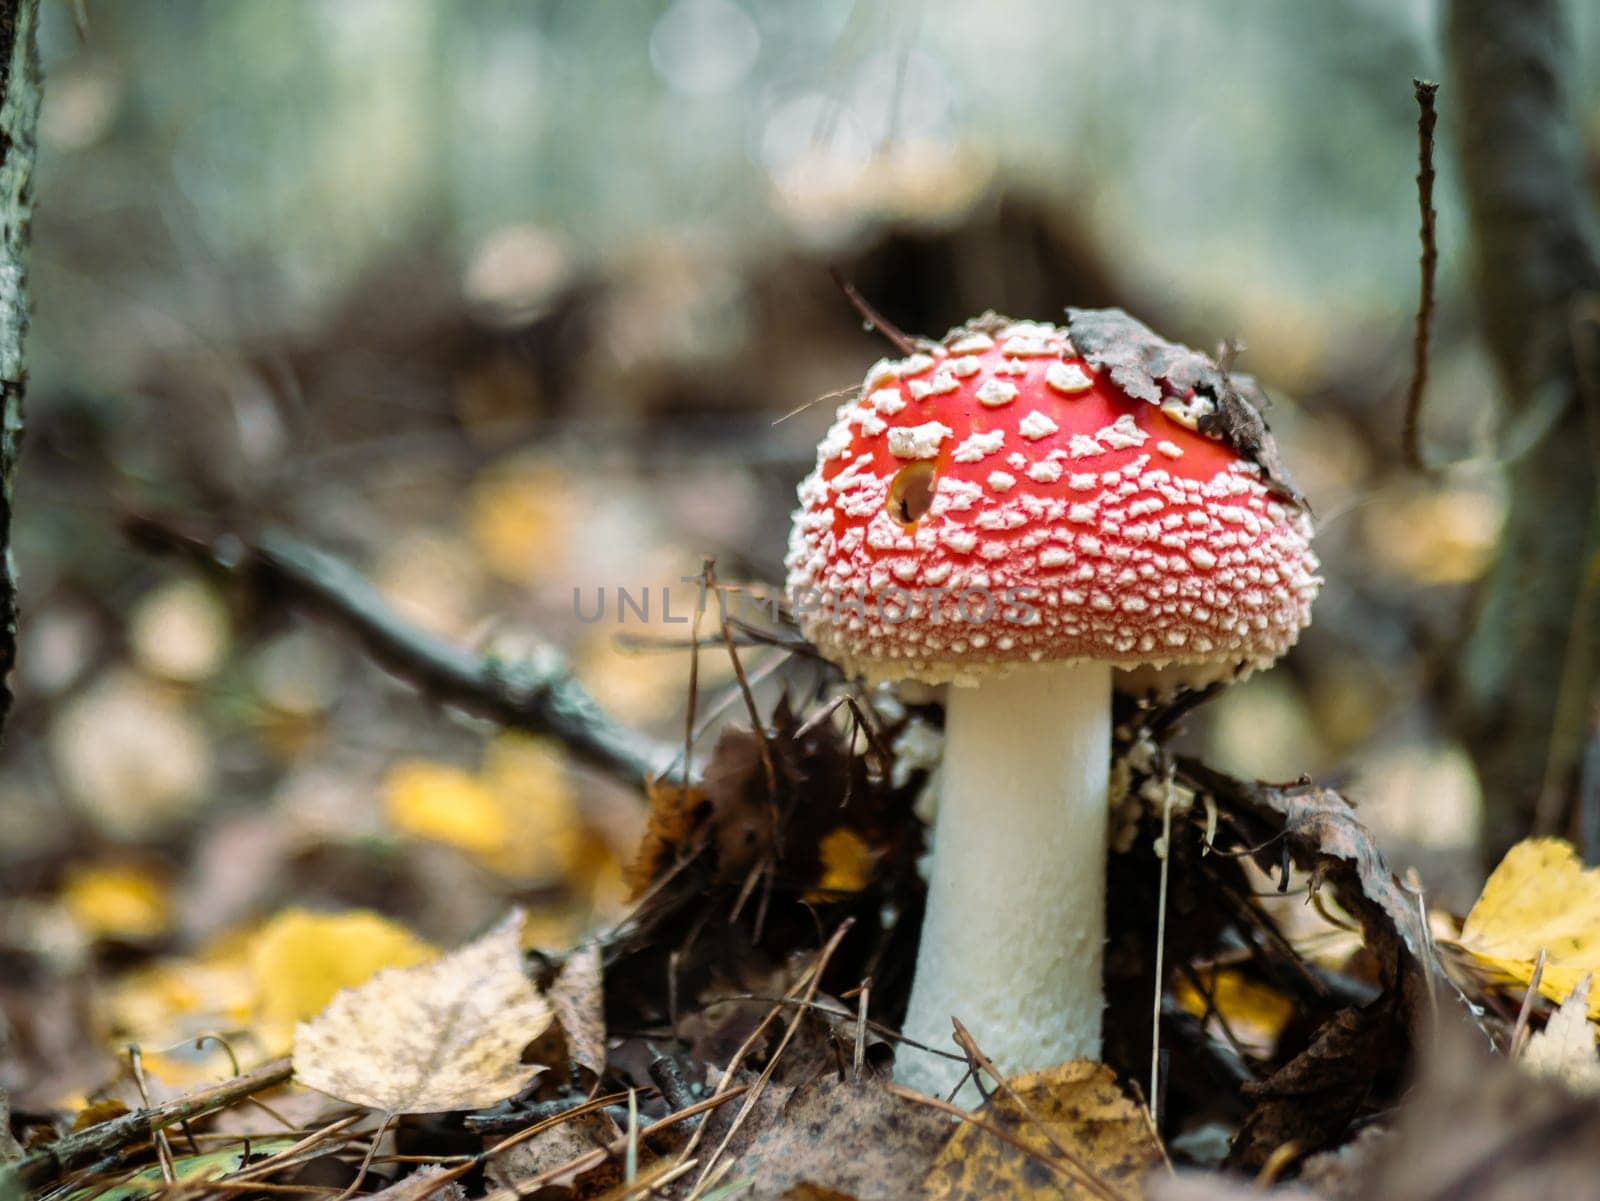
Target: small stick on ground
pixel 812 981
pixel 965 1041
pixel 89 1146
pixel 1521 1027
pixel 1410 431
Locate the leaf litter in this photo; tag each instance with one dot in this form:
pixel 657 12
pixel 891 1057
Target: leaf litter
pixel 733 1034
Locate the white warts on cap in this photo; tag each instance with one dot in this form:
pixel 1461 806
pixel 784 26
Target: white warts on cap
pixel 1036 425
pixel 918 441
pixel 1001 481
pixel 979 446
pixel 887 401
pixel 995 393
pixel 1121 434
pixel 1068 378
pixel 1171 449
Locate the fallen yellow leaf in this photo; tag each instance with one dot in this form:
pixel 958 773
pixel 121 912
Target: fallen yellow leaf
pixel 440 1036
pixel 846 865
pixel 117 901
pixel 1076 1107
pixel 300 959
pixel 1253 1011
pixel 1541 897
pixel 519 516
pixel 441 803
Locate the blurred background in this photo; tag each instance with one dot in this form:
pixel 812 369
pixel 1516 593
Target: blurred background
pixel 506 299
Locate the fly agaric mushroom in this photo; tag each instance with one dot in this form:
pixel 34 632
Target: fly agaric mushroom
pixel 1017 511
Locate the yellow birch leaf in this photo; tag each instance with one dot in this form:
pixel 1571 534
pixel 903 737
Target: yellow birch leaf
pixel 1076 1106
pixel 440 1036
pixel 440 803
pixel 1541 897
pixel 1252 1010
pixel 846 865
pixel 300 959
pixel 117 901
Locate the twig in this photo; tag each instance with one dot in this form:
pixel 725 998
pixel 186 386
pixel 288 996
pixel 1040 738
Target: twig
pixel 1427 117
pixel 519 1189
pixel 1065 1169
pixel 1523 1013
pixel 965 1041
pixel 89 1146
pixel 1161 948
pixel 812 981
pixel 874 319
pixel 541 697
pixel 163 1147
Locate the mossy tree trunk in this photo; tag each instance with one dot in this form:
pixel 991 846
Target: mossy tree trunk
pixel 1526 687
pixel 19 114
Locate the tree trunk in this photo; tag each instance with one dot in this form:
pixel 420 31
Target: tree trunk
pixel 1526 681
pixel 19 114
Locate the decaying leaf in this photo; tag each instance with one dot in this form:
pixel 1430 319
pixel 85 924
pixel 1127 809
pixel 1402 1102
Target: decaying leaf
pixel 440 1036
pixel 1541 897
pixel 578 998
pixel 1076 1107
pixel 1150 368
pixel 422 1185
pixel 555 1147
pixel 850 1137
pixel 1310 1101
pixel 1565 1049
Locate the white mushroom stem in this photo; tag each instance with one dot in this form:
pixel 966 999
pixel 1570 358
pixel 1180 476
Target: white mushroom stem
pixel 1012 940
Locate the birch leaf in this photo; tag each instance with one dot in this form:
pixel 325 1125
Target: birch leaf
pixel 440 1036
pixel 1541 897
pixel 1564 1050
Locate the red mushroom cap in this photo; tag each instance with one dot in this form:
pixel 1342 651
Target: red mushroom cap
pixel 999 498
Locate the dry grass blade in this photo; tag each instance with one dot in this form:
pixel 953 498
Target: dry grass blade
pixel 812 981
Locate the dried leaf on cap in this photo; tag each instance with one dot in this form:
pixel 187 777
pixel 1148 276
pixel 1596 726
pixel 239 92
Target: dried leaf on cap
pixel 1141 362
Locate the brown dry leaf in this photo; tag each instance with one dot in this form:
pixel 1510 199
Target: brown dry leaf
pixel 1564 1050
pixel 1541 897
pixel 578 998
pixel 852 1137
pixel 1311 1100
pixel 555 1147
pixel 422 1185
pixel 1082 1108
pixel 440 1036
pixel 675 813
